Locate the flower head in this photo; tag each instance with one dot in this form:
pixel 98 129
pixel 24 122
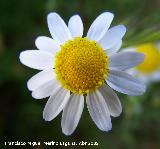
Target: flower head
pixel 149 70
pixel 75 68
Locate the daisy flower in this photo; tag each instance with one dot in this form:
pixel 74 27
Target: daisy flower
pixel 149 70
pixel 75 68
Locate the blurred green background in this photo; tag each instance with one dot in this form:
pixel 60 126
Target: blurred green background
pixel 21 21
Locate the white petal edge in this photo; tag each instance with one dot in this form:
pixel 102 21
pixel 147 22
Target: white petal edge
pixel 37 59
pixel 98 110
pixel 45 90
pixel 75 26
pixel 155 77
pixel 40 78
pixel 100 26
pixel 114 49
pixel 125 60
pixel 125 83
pixel 58 28
pixel 140 76
pixel 112 100
pixel 112 36
pixel 72 114
pixel 55 103
pixel 47 44
pixel 129 49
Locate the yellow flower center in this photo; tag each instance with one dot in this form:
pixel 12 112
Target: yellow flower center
pixel 152 58
pixel 81 65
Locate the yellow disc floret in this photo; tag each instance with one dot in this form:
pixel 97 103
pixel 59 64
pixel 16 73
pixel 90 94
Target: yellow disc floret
pixel 81 65
pixel 152 58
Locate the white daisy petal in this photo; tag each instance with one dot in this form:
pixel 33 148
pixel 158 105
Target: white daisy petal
pixel 143 78
pixel 37 59
pixel 72 113
pixel 112 36
pixel 112 100
pixel 58 28
pixel 40 78
pixel 98 110
pixel 47 44
pixel 155 76
pixel 100 26
pixel 45 90
pixel 75 26
pixel 125 83
pixel 125 60
pixel 55 103
pixel 114 49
